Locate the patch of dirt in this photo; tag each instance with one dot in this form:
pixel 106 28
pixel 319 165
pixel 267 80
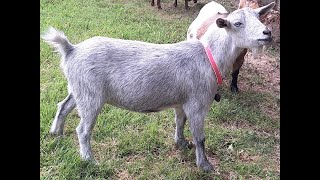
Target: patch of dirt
pixel 245 157
pixel 134 158
pixel 271 111
pixel 229 175
pixel 260 73
pixel 241 124
pixel 214 160
pixel 235 125
pixel 122 174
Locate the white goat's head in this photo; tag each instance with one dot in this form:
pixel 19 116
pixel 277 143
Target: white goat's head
pixel 245 28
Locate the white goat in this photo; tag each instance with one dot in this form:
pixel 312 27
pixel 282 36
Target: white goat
pixel 146 77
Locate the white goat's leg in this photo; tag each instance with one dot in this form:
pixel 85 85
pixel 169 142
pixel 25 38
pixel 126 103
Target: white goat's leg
pixel 180 120
pixel 196 115
pixel 64 108
pixel 88 111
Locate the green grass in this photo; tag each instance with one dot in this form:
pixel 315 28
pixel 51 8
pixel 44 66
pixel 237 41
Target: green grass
pixel 241 136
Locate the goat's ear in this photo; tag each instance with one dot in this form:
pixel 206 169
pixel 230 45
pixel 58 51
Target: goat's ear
pixel 241 4
pixel 222 23
pixel 264 9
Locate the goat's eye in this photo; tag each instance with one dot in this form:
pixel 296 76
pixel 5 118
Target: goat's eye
pixel 237 24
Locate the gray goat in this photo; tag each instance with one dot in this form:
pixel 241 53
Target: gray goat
pixel 145 77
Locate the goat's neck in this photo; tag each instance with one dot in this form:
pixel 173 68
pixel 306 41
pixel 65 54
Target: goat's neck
pixel 223 50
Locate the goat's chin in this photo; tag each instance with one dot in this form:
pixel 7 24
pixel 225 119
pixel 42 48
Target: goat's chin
pixel 256 52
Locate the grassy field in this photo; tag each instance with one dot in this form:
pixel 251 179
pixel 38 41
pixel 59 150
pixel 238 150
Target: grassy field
pixel 242 131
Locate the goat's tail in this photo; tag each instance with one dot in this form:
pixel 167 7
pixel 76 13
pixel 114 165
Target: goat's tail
pixel 59 41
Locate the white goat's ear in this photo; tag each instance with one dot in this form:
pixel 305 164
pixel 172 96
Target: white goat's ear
pixel 222 23
pixel 264 9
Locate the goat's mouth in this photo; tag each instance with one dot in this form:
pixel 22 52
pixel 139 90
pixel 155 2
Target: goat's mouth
pixel 268 39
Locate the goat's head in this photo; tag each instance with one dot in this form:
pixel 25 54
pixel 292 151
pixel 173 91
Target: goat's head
pixel 245 28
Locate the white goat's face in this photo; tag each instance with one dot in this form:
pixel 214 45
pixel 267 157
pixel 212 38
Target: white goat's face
pixel 245 28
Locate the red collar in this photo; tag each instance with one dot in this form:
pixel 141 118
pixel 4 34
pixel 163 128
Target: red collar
pixel 213 63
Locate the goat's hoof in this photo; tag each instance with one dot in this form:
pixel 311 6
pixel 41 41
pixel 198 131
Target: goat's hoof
pixel 206 166
pixel 195 1
pixel 94 162
pixel 159 7
pixel 91 161
pixel 234 89
pixel 184 144
pixel 56 133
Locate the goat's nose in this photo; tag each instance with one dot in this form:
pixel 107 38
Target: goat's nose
pixel 267 32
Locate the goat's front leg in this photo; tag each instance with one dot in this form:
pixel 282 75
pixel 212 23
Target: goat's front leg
pixel 196 115
pixel 235 71
pixel 186 4
pixel 180 119
pixel 64 108
pixel 175 3
pixel 158 4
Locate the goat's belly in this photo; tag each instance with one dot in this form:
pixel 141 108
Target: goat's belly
pixel 143 110
pixel 143 103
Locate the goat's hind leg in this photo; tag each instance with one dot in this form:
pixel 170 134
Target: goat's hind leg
pixel 64 108
pixel 180 120
pixel 88 111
